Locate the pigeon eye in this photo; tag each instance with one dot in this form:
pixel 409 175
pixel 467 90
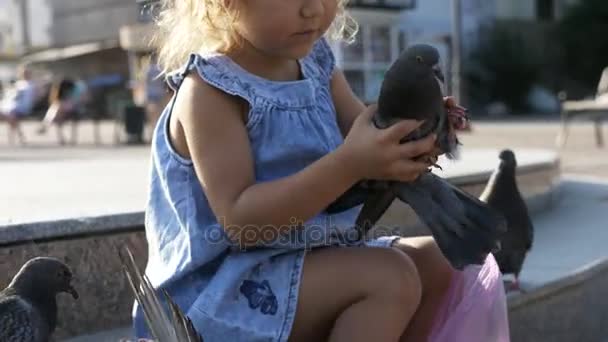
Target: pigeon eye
pixel 419 59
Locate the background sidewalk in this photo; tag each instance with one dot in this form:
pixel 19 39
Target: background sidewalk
pixel 46 181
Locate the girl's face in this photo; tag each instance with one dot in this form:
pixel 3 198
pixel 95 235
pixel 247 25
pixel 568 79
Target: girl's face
pixel 285 28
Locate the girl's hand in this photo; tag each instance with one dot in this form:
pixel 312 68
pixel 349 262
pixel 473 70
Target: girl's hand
pixel 374 153
pixel 456 114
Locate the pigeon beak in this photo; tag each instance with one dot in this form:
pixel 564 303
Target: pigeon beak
pixel 71 290
pixel 438 73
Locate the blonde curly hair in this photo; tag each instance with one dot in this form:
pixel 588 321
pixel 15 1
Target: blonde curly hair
pixel 186 26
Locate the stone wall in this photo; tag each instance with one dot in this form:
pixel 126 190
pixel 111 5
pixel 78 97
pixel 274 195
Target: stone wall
pixel 574 308
pixel 105 296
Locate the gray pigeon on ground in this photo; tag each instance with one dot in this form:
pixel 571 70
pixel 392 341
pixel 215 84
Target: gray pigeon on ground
pixel 172 327
pixel 465 229
pixel 502 194
pixel 28 306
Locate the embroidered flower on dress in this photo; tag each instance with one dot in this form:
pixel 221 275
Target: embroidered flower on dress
pixel 260 295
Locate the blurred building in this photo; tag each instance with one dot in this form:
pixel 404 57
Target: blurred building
pixel 81 41
pixel 387 26
pixel 534 23
pixel 532 19
pixel 106 42
pixel 431 20
pixel 9 40
pixel 533 10
pixel 19 34
pixel 378 43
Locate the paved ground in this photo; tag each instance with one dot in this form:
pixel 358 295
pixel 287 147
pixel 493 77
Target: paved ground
pixel 579 156
pixel 45 181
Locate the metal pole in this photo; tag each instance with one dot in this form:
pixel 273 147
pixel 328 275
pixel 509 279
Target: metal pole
pixel 25 24
pixel 456 52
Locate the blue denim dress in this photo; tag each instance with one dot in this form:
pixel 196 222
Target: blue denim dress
pixel 231 294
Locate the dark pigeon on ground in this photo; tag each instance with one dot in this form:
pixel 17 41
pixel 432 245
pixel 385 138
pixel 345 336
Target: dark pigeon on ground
pixel 465 229
pixel 28 306
pixel 174 326
pixel 502 194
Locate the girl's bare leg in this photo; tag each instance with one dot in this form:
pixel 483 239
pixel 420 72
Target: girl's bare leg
pixel 15 129
pixel 356 294
pixel 435 276
pixel 51 113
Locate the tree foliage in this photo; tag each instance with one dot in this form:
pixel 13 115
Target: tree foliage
pixel 583 34
pixel 501 68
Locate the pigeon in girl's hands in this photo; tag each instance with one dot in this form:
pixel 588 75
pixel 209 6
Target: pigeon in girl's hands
pixel 465 229
pixel 28 306
pixel 421 90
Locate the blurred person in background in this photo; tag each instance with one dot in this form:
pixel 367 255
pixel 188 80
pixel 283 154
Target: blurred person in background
pixel 17 102
pixel 80 97
pixel 62 107
pixel 155 93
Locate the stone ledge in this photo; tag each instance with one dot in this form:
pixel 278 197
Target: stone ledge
pixel 559 286
pixel 69 229
pixel 475 178
pixel 546 313
pixel 572 308
pixel 536 181
pixel 105 299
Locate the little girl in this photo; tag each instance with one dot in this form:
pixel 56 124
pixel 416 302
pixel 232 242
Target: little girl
pixel 263 133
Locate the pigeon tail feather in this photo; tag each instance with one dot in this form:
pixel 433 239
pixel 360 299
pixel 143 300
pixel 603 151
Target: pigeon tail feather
pixel 177 327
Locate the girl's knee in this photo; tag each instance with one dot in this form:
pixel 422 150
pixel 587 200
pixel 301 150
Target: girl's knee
pixel 427 256
pixel 440 270
pixel 398 277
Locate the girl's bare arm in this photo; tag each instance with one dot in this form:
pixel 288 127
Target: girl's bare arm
pixel 348 105
pixel 216 140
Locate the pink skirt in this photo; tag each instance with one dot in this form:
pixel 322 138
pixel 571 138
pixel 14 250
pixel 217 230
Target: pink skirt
pixel 475 307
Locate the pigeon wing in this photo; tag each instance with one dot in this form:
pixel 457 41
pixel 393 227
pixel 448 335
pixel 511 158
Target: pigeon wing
pixel 19 322
pixel 353 197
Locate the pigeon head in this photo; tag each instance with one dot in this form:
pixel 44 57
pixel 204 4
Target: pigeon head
pixel 507 159
pixel 44 274
pixel 427 56
pixel 412 89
